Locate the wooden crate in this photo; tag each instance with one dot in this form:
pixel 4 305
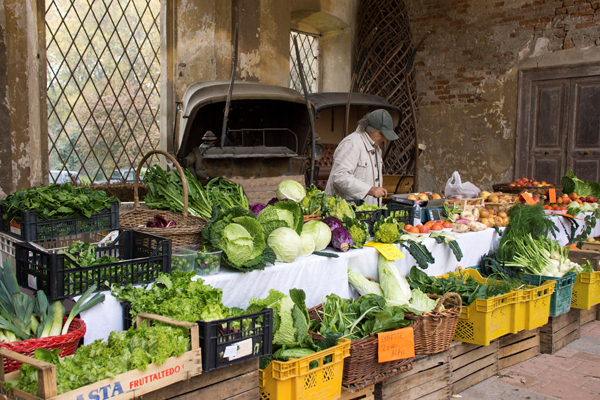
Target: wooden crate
pixel 364 394
pixel 261 190
pixel 518 347
pixel 126 386
pixel 472 363
pixel 590 315
pixel 239 382
pixel 429 379
pixel 559 332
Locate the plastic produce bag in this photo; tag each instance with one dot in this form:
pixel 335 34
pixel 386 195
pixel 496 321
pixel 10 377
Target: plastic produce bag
pixel 457 189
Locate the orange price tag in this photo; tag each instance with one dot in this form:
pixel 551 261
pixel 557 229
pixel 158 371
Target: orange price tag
pixel 396 345
pixel 528 199
pixel 551 193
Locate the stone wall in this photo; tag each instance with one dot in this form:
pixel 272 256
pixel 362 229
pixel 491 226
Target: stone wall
pixel 467 76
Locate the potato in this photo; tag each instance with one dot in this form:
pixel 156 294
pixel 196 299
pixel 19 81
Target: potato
pixel 502 214
pixel 484 213
pixel 492 198
pixel 485 221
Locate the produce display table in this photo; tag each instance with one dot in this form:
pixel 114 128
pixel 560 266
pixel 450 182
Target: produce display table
pixel 317 276
pixel 562 223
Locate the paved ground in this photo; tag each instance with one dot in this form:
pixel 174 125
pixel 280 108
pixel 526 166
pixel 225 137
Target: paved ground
pixel 571 373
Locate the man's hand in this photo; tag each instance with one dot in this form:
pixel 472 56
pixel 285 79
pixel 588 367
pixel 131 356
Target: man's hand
pixel 378 192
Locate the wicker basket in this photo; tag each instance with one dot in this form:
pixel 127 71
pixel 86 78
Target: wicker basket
pixel 312 217
pixel 188 229
pixel 500 206
pixel 67 344
pixel 534 190
pixel 362 368
pixel 436 329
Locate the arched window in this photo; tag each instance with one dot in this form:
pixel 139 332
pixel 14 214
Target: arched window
pixel 308 46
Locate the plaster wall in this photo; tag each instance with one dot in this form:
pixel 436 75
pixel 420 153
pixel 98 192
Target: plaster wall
pixel 467 76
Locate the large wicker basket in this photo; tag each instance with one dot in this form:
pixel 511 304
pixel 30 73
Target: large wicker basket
pixel 436 328
pixel 67 344
pixel 188 229
pixel 362 368
pixel 500 206
pixel 534 190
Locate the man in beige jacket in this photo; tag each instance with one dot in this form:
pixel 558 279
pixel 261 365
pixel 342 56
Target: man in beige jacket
pixel 356 170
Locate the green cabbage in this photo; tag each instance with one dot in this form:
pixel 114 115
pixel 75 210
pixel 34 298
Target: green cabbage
pixel 308 244
pixel 286 244
pixel 290 189
pixel 363 285
pixel 237 243
pixel 320 232
pixel 571 184
pixel 394 286
pixel 422 302
pixel 270 213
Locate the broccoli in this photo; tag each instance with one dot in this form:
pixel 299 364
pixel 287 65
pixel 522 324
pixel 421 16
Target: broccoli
pixel 358 230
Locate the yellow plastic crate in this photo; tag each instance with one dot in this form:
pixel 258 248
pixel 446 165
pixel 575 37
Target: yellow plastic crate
pixel 586 290
pixel 294 380
pixel 534 307
pixel 488 319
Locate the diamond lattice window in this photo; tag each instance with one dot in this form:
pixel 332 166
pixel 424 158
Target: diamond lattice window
pixel 103 76
pixel 308 45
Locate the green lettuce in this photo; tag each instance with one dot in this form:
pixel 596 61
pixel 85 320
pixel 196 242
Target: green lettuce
pixel 422 302
pixel 571 184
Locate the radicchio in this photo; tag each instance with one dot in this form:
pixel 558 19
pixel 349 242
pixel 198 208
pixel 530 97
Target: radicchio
pixel 333 223
pixel 341 239
pixel 257 208
pixel 160 222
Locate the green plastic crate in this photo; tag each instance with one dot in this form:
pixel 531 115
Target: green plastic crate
pixel 560 301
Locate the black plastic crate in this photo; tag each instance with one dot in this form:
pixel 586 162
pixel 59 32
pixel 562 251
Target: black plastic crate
pixel 255 336
pixel 369 217
pixel 33 227
pixel 401 213
pixel 142 256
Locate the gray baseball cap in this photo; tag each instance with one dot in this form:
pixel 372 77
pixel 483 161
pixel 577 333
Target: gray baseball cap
pixel 382 120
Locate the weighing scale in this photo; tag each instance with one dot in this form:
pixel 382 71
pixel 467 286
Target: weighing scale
pixel 423 210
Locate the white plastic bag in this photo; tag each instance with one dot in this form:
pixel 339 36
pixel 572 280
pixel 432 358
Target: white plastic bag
pixel 455 188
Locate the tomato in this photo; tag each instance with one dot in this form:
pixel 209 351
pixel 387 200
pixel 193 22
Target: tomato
pixel 439 221
pixel 414 230
pixel 407 228
pixel 429 224
pixel 425 229
pixel 437 227
pixel 447 225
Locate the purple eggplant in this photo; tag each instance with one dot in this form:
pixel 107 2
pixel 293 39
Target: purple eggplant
pixel 333 223
pixel 257 208
pixel 341 239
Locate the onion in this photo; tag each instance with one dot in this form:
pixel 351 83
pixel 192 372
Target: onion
pixel 463 221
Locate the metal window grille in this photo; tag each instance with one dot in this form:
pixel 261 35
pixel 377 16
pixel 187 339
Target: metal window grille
pixel 103 99
pixel 308 45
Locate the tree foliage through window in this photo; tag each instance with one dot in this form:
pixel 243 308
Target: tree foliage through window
pixel 103 79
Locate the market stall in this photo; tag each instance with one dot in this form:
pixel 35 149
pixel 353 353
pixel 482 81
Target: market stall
pixel 352 292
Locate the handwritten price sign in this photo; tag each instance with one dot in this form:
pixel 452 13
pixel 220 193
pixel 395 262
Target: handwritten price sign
pixel 389 251
pixel 396 345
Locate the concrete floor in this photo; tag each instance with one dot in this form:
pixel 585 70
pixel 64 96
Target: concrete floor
pixel 572 373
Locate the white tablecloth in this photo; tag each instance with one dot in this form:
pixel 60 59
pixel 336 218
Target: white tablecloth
pixel 562 223
pixel 317 276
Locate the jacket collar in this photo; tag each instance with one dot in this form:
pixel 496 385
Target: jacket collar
pixel 369 144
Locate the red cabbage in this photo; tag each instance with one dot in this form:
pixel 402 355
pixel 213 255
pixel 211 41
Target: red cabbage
pixel 341 239
pixel 276 200
pixel 333 223
pixel 257 208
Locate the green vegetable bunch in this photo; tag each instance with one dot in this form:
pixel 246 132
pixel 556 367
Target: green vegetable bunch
pixel 125 351
pixel 358 230
pixel 338 208
pixel 57 201
pixel 238 233
pixel 358 319
pixel 315 202
pixel 465 285
pixel 176 297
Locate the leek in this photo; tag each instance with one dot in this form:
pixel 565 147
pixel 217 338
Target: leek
pixel 56 313
pixel 82 305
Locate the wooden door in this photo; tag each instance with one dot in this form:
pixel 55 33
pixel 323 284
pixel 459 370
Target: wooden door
pixel 583 154
pixel 548 127
pixel 558 123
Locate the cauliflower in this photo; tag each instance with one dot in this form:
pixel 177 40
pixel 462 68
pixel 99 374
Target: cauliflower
pixel 386 230
pixel 358 230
